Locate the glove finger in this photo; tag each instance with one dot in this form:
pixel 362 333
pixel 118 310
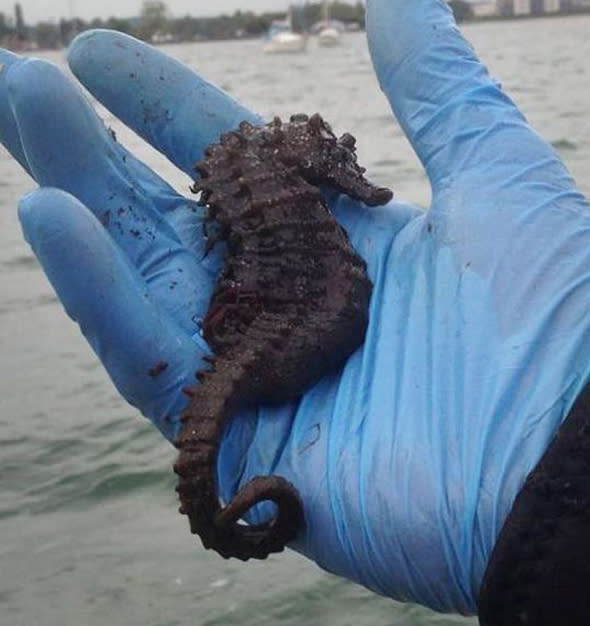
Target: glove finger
pixel 167 197
pixel 68 147
pixel 146 355
pixel 9 136
pixel 456 116
pixel 162 100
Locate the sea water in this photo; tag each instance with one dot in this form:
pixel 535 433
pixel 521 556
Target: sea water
pixel 89 529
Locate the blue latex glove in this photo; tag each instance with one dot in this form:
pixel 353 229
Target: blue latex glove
pixel 409 458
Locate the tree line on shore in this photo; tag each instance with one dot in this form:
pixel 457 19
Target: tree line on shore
pixel 154 23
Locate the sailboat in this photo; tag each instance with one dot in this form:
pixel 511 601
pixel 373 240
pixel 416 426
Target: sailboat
pixel 281 38
pixel 330 31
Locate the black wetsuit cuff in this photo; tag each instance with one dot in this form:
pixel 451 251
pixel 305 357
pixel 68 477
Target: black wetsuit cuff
pixel 539 570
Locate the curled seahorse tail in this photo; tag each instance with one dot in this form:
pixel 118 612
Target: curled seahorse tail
pixel 258 541
pixel 223 389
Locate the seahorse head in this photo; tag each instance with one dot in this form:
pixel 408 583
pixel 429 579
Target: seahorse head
pixel 324 159
pixel 306 145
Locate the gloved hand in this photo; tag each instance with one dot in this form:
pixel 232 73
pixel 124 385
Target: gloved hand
pixel 409 458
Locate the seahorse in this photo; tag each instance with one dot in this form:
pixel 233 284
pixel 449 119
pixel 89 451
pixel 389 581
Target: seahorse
pixel 290 305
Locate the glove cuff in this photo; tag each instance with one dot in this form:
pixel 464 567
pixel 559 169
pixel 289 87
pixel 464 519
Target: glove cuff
pixel 540 566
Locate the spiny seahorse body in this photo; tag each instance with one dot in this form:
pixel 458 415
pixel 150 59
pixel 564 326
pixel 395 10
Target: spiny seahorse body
pixel 290 305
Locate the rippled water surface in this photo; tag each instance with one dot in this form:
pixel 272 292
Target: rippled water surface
pixel 89 529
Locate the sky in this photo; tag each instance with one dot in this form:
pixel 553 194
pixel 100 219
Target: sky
pixel 52 10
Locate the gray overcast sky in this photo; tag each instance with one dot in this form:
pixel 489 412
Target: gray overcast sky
pixel 47 10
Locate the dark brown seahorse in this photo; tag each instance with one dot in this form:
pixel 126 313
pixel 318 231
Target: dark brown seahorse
pixel 290 305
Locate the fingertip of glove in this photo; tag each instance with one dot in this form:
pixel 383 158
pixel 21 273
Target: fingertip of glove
pixel 26 211
pixel 97 46
pixel 45 195
pixel 32 76
pixel 43 208
pixel 396 27
pixel 81 40
pixel 84 42
pixel 7 58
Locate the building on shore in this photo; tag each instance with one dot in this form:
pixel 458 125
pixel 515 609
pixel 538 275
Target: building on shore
pixel 515 8
pixel 540 7
pixel 522 7
pixel 530 7
pixel 482 10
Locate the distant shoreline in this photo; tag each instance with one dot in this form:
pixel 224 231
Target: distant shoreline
pixel 240 26
pixel 529 16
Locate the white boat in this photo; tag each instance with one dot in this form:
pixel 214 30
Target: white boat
pixel 285 41
pixel 281 37
pixel 329 31
pixel 328 37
